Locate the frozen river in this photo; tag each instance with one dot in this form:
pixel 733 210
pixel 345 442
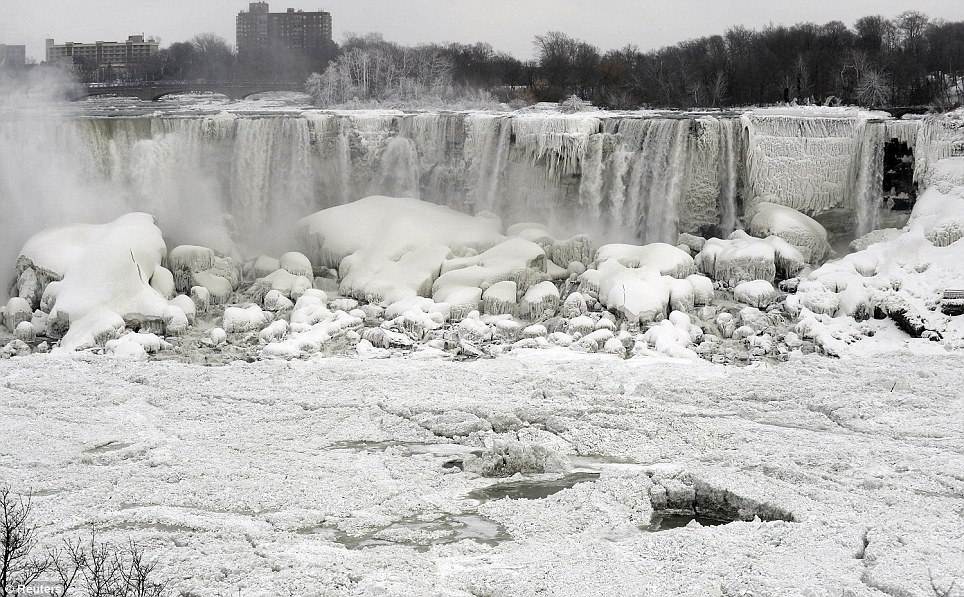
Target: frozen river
pixel 346 476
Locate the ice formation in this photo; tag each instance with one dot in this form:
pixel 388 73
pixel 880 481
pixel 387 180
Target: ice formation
pixel 495 231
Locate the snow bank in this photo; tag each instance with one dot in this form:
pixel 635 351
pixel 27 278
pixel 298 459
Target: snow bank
pixel 902 276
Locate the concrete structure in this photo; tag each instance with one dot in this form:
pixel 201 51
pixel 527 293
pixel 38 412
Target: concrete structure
pixel 13 56
pixel 100 54
pixel 260 32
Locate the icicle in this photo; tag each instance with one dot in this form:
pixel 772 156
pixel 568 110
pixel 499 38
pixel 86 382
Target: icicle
pixel 801 162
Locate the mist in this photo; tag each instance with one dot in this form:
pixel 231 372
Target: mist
pixel 58 167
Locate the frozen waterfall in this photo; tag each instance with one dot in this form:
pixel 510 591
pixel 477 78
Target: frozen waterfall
pixel 240 180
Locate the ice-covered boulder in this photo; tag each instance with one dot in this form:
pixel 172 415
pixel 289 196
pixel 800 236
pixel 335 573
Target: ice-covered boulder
pixel 264 265
pixel 671 337
pixel 638 294
pixel 25 331
pixel 541 300
pixel 202 299
pixel 666 259
pixel 244 319
pixel 185 260
pixel 288 284
pixel 296 264
pixel 758 293
pixel 800 230
pixel 163 282
pixel 106 273
pixel 275 301
pixel 743 258
pixel 500 298
pixel 17 310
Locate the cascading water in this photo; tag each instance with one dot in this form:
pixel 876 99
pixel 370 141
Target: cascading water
pixel 869 179
pixel 729 172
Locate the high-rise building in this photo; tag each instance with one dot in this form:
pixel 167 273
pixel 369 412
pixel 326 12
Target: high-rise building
pixel 103 53
pixel 13 56
pixel 260 32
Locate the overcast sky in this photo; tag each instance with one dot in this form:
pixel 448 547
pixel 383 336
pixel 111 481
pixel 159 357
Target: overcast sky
pixel 506 24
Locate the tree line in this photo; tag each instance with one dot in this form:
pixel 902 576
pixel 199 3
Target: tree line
pixel 910 60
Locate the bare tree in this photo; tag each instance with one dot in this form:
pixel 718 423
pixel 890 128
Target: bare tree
pixel 19 536
pixel 873 89
pixel 92 567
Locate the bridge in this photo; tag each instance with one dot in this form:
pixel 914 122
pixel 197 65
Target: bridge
pixel 152 92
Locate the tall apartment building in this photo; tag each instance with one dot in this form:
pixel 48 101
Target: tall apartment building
pixel 103 53
pixel 13 56
pixel 260 31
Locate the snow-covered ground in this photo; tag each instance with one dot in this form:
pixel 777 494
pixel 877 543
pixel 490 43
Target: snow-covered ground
pixel 343 476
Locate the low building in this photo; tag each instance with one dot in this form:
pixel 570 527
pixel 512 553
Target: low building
pixel 103 54
pixel 13 56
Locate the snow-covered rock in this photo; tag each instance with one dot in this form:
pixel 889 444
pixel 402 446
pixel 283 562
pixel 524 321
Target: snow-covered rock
pixel 758 293
pixel 800 230
pixel 666 259
pixel 244 319
pixel 743 258
pixel 106 273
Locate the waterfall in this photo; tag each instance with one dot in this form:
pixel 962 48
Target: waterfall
pixel 729 173
pixel 488 148
pixel 241 181
pixel 869 178
pixel 656 174
pixel 398 173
